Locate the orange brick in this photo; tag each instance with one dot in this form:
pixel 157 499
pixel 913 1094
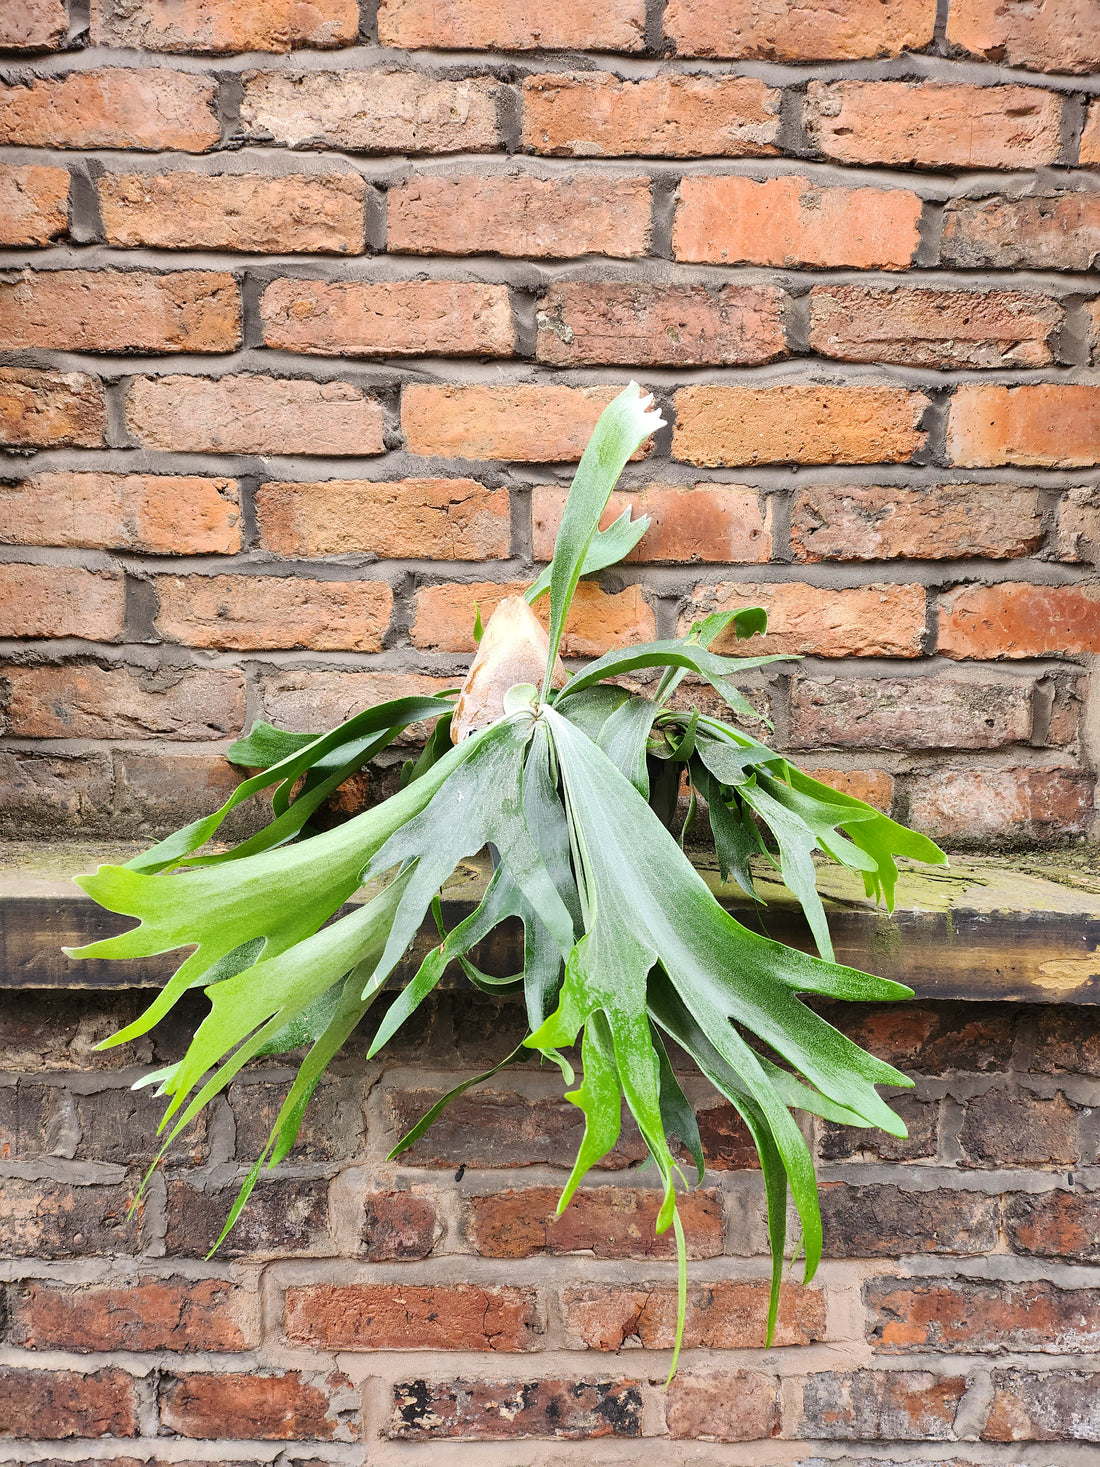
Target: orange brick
pixel 378 111
pixel 153 514
pixel 257 612
pixel 606 1222
pixel 1013 619
pixel 285 214
pixel 1077 529
pixel 149 1314
pixel 934 328
pixel 734 1406
pixel 249 413
pixel 387 1316
pixel 708 522
pixel 111 107
pixel 859 621
pixel 51 409
pixel 33 25
pixel 790 30
pixel 728 1315
pixel 121 310
pixel 308 701
pixel 793 221
pixel 1090 136
pixel 587 214
pixel 512 25
pixel 1040 424
pixel 598 115
pixel 1046 35
pixel 410 519
pixel 797 424
pixel 582 324
pixel 51 1405
pixel 392 318
pixel 230 25
pixel 1054 231
pixel 83 701
pixel 598 621
pixel 61 601
pixel 34 204
pixel 283 1406
pixel 934 124
pixel 941 522
pixel 969 805
pixel 872 786
pixel 528 424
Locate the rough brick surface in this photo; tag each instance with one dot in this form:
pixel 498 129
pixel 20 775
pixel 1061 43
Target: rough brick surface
pixel 597 620
pixel 1059 231
pixel 704 522
pixel 475 1410
pixel 1055 1224
pixel 512 25
pixel 1011 619
pixel 53 1405
pixel 111 107
pixel 61 601
pixel 941 522
pixel 721 1316
pixel 1053 35
pixel 1089 152
pixel 736 1406
pixel 1041 424
pixel 268 1407
pixel 87 701
pixel 879 1405
pixel 609 1222
pixel 50 409
pixel 532 424
pixel 273 611
pixel 786 30
pixel 414 318
pixel 34 25
pixel 909 713
pixel 34 204
pixel 969 806
pixel 239 25
pixel 283 1217
pixel 1043 1406
pixel 884 1222
pixel 155 514
pixel 411 1316
pixel 871 621
pixel 965 1316
pixel 145 1314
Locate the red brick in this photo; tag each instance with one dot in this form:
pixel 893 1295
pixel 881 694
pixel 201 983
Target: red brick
pixel 121 310
pixel 1056 1224
pixel 121 1127
pixel 873 786
pixel 29 1116
pixel 597 621
pixel 34 25
pixel 646 325
pixel 1051 1406
pixel 1056 231
pixel 791 220
pixel 787 30
pixel 607 1222
pixel 598 115
pixel 52 1405
pixel 153 514
pixel 1041 424
pixel 1068 1040
pixel 972 1316
pixel 730 1315
pixel 55 1220
pixel 520 215
pixel 40 794
pixel 232 25
pixel 273 611
pixel 511 25
pixel 934 124
pixel 285 1217
pixel 157 792
pixel 85 701
pixel 797 424
pixel 397 1226
pixel 883 1221
pixel 921 1117
pixel 507 1410
pixel 249 413
pixel 940 522
pixel 308 701
pixel 331 1129
pixel 143 1314
pixel 51 409
pixel 934 1038
pixel 396 318
pixel 34 204
pixel 1053 35
pixel 61 601
pixel 411 1317
pixel 736 1406
pixel 287 1406
pixel 963 805
pixel 528 424
pixel 111 107
pixel 1009 1127
pixel 908 713
pixel 708 522
pixel 881 1405
pixel 860 621
pixel 377 111
pixel 1090 137
pixel 1013 619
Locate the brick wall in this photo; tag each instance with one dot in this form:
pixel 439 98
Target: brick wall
pixel 306 309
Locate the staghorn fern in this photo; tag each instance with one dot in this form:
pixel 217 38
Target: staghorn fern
pixel 572 785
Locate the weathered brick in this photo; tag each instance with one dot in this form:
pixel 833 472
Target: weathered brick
pixel 873 786
pixel 908 713
pixel 1068 1040
pixel 396 318
pixel 153 514
pixel 1054 35
pixel 1052 231
pixel 491 1410
pixel 598 115
pixel 233 25
pixel 1077 526
pixel 707 522
pixel 1013 619
pixel 736 1406
pixel 597 621
pixel 726 426
pixel 31 1118
pixel 120 1126
pixel 881 1405
pixel 512 25
pixel 331 1128
pixel 791 220
pixel 842 1143
pixel 34 204
pixel 41 793
pixel 1090 137
pixel 608 1222
pixel 34 25
pixel 934 124
pixel 730 1315
pixel 308 700
pixel 273 611
pixel 967 805
pixel 157 792
pixel 882 1221
pixel 61 601
pixel 55 1220
pixel 1056 1224
pixel 972 1316
pixel 111 107
pixel 859 621
pixel 51 409
pixel 141 1314
pixel 53 1405
pixel 1010 1127
pixel 1042 424
pixel 60 1030
pixel 411 1317
pixel 529 424
pixel 86 701
pixel 283 1406
pixel 397 1226
pixel 249 413
pixel 1048 1406
pixel 941 522
pixel 520 215
pixel 786 30
pixel 284 1217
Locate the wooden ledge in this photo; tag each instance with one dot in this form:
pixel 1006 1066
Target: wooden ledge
pixel 1023 928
